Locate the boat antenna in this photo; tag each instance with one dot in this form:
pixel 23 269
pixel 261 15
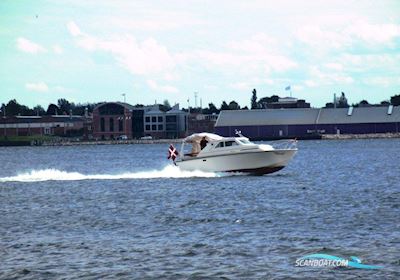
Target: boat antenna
pixel 239 133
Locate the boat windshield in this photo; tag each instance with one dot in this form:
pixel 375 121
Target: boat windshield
pixel 244 141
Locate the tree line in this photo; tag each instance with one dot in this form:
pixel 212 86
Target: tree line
pixel 64 107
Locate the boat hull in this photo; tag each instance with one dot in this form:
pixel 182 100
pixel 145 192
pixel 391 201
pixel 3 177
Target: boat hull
pixel 260 162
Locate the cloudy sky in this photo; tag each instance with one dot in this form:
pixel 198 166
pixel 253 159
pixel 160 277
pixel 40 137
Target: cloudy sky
pixel 91 51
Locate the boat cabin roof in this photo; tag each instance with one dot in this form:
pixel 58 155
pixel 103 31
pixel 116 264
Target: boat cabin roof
pixel 197 137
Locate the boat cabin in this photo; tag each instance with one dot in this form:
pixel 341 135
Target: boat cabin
pixel 204 143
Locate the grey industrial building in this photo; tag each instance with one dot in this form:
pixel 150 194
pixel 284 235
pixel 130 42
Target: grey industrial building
pixel 308 122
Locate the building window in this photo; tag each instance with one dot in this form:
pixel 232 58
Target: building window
pixel 102 124
pixel 171 127
pixel 153 119
pixel 170 119
pixel 154 127
pixel 160 119
pixel 147 119
pixel 120 125
pixel 111 124
pixel 147 127
pixel 47 130
pixel 160 127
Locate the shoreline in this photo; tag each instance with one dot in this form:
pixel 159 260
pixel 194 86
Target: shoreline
pixel 360 136
pixel 177 141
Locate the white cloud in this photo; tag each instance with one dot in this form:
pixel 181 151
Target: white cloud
pixel 61 89
pixel 73 29
pixel 38 87
pixel 382 81
pixel 322 38
pixel 28 46
pixel 341 32
pixel 139 58
pixel 240 86
pixel 161 88
pixel 373 33
pixel 327 78
pixel 310 83
pixel 245 60
pixel 57 49
pixel 210 87
pixel 171 77
pixel 154 21
pixel 297 88
pixel 334 66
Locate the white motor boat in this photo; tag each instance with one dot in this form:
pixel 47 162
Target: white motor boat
pixel 214 153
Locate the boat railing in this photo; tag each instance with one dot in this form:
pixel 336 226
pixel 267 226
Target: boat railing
pixel 285 144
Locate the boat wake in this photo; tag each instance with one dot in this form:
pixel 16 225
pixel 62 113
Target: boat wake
pixel 59 175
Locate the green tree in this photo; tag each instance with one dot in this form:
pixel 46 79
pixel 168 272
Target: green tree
pixel 52 109
pixel 211 109
pixel 166 104
pixel 64 105
pixel 233 105
pixel 342 102
pixel 224 106
pixel 254 104
pixel 39 110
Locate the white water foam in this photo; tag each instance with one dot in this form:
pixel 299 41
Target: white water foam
pixel 169 171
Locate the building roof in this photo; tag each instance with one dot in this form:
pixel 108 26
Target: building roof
pixel 154 110
pixel 175 110
pixel 267 117
pixel 42 119
pixel 126 105
pixel 359 115
pixel 300 116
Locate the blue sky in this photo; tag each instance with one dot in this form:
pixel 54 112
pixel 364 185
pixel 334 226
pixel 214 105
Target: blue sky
pixel 91 51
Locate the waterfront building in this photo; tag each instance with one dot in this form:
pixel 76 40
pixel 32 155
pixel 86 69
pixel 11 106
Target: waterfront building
pixel 198 122
pixel 112 120
pixel 286 102
pixel 57 125
pixel 308 122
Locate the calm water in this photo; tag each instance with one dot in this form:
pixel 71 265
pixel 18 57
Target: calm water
pixel 115 212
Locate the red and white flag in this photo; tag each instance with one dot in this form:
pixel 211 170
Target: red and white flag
pixel 172 152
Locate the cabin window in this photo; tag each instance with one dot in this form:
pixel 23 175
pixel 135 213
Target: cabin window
pixel 226 144
pixel 220 145
pixel 230 143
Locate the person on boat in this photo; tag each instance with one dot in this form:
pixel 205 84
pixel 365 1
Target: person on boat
pixel 203 143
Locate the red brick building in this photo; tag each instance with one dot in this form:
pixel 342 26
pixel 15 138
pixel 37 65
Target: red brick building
pixel 114 119
pixel 62 125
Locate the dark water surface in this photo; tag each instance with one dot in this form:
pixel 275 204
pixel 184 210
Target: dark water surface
pixel 116 213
